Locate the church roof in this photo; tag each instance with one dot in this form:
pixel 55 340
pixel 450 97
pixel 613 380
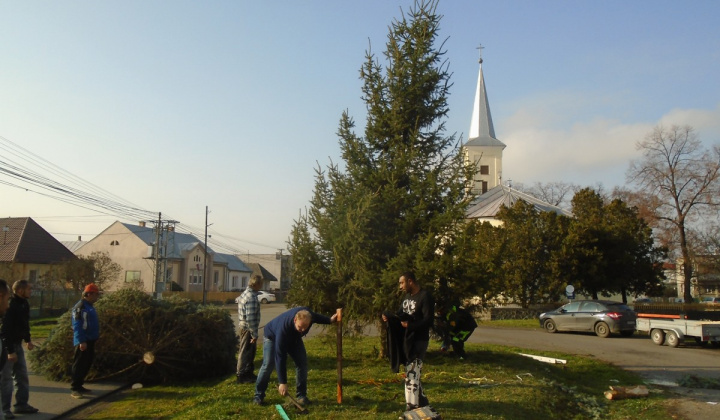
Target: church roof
pixel 482 132
pixel 487 206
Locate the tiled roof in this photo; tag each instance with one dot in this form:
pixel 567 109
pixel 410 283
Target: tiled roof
pixel 23 240
pixel 234 263
pixel 261 271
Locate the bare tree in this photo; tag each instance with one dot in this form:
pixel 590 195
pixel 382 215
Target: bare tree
pixel 683 175
pixel 557 193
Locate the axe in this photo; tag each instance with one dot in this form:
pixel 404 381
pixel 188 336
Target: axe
pixel 301 409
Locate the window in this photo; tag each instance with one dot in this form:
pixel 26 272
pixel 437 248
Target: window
pixel 244 281
pixel 572 307
pixel 195 278
pixel 592 307
pixel 114 243
pixel 32 276
pixel 196 258
pixel 216 276
pixel 234 281
pixel 484 186
pixel 484 170
pixel 132 276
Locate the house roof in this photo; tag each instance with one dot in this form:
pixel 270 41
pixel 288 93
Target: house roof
pixel 23 240
pixel 482 132
pixel 176 242
pixel 486 206
pixel 233 262
pixel 261 271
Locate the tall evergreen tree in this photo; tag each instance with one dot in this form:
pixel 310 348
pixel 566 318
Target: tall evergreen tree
pixel 399 200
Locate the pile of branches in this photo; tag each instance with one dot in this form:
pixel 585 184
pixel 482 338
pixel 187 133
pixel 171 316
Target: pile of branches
pixel 146 340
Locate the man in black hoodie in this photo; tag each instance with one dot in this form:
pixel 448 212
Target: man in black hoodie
pixel 15 329
pixel 416 317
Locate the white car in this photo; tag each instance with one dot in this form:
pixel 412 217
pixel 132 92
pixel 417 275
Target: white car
pixel 265 297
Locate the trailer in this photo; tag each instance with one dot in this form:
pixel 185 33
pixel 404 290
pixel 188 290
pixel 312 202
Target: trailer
pixel 672 331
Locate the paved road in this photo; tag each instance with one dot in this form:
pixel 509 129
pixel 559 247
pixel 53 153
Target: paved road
pixel 636 353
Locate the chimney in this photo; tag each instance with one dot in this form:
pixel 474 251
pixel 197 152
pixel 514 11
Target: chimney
pixel 79 238
pixel 142 224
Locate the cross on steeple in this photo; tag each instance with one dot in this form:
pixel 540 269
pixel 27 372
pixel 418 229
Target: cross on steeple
pixel 480 48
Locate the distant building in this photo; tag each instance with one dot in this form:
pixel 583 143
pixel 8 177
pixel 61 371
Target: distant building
pixel 27 251
pixel 180 260
pixel 278 265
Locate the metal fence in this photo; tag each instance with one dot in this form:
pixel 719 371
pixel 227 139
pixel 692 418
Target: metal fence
pixel 47 303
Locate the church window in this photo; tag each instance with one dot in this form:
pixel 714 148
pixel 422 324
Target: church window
pixel 484 170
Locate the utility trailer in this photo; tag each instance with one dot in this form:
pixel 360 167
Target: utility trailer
pixel 672 331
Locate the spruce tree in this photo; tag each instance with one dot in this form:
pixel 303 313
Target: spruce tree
pixel 399 198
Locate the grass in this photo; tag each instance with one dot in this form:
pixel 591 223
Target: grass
pixel 494 382
pixel 40 328
pixel 511 323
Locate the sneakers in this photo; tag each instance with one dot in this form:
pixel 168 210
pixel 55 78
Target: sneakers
pixel 24 409
pixel 258 401
pixel 246 379
pixel 84 390
pixel 75 394
pixel 8 414
pixel 304 401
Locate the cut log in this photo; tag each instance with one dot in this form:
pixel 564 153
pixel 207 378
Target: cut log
pixel 621 392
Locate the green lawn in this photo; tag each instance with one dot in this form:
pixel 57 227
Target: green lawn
pixel 40 328
pixel 494 382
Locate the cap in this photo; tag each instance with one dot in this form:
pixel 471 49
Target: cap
pixel 91 288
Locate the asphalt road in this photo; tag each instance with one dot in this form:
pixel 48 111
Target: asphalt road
pixel 637 353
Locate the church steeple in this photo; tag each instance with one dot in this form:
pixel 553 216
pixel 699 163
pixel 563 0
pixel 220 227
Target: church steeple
pixel 482 148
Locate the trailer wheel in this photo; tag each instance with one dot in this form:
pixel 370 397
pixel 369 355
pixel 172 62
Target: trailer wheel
pixel 715 344
pixel 657 336
pixel 672 339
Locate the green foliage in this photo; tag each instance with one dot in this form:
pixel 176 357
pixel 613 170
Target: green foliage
pixel 399 200
pixel 185 340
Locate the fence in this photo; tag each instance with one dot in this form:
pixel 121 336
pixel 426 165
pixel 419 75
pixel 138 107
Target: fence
pixel 47 303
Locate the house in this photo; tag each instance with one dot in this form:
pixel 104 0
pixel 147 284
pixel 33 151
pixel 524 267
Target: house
pixel 706 276
pixel 27 251
pixel 268 279
pixel 177 263
pixel 278 265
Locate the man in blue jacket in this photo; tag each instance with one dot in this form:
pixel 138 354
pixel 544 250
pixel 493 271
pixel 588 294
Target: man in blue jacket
pixel 86 331
pixel 283 337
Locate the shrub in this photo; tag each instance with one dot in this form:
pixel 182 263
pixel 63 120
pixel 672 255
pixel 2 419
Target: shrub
pixel 146 340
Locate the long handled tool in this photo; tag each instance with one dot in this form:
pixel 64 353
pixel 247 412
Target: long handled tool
pixel 339 355
pixel 282 412
pixel 301 409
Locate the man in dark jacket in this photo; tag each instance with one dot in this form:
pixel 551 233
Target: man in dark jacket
pixel 4 303
pixel 15 329
pixel 283 337
pixel 86 331
pixel 416 318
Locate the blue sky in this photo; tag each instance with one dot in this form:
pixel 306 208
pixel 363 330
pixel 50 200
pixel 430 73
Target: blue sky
pixel 178 105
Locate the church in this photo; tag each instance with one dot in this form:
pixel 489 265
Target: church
pixel 486 152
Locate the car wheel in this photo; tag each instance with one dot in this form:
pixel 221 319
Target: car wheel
pixel 672 339
pixel 715 344
pixel 602 330
pixel 657 336
pixel 264 300
pixel 550 326
pixel 627 333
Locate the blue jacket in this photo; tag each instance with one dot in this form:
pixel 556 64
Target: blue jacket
pixel 281 330
pixel 85 323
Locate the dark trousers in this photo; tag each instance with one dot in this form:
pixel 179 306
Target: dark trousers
pixel 81 364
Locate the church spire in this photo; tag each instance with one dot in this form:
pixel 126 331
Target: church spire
pixel 481 125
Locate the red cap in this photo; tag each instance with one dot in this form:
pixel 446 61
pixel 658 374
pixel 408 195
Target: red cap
pixel 91 288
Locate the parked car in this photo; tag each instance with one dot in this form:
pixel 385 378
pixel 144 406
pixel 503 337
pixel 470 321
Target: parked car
pixel 601 316
pixel 643 300
pixel 265 297
pixel 709 300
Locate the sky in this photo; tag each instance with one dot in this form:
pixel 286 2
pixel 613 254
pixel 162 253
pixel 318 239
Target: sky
pixel 175 106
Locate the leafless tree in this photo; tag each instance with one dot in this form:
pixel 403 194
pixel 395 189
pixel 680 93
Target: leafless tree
pixel 683 175
pixel 557 193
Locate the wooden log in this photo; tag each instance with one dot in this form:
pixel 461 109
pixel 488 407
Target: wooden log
pixel 621 392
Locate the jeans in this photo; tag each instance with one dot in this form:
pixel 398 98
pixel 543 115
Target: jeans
pixel 298 355
pixel 15 374
pixel 246 355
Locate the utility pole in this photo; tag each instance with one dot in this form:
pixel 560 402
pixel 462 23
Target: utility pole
pixel 156 254
pixel 205 270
